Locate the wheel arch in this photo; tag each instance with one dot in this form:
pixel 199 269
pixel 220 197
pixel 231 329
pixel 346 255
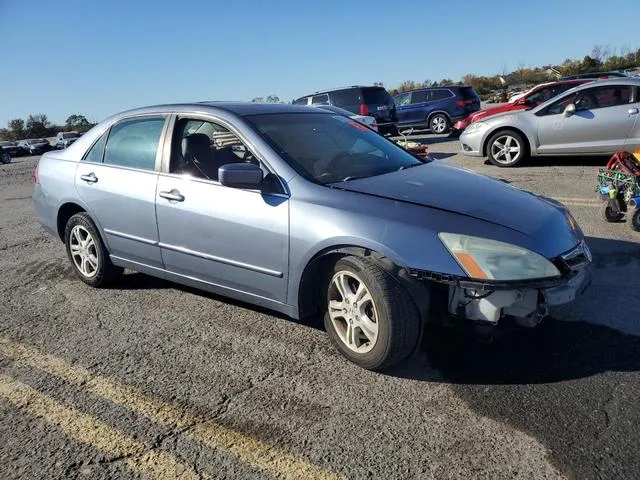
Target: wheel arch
pixel 311 281
pixel 435 112
pixel 488 136
pixel 65 212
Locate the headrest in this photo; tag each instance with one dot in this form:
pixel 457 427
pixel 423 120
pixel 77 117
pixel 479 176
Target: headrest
pixel 195 142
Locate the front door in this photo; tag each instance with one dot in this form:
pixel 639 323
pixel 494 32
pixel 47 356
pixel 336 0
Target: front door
pixel 600 125
pixel 117 181
pixel 232 238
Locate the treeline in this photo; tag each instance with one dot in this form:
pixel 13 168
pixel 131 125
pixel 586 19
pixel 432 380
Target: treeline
pixel 600 59
pixel 39 126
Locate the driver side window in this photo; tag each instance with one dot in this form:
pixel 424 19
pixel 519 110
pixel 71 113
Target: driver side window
pixel 559 106
pixel 200 147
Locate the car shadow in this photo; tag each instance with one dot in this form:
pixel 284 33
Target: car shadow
pixel 556 351
pixel 562 161
pixel 441 155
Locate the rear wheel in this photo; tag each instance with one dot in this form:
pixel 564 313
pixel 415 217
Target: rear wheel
pixel 506 149
pixel 439 123
pixel 87 252
pixel 370 317
pixel 610 214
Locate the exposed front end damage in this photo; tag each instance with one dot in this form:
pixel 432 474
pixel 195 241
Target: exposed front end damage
pixel 488 304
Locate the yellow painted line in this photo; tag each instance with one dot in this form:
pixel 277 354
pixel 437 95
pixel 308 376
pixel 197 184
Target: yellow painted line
pixel 577 199
pixel 86 429
pixel 580 204
pixel 255 453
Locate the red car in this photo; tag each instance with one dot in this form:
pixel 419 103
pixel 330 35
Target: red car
pixel 534 97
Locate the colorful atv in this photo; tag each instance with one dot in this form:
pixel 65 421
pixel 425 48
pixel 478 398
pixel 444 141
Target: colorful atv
pixel 619 188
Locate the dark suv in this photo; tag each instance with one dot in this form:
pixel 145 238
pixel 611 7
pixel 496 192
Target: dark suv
pixel 435 108
pixel 368 101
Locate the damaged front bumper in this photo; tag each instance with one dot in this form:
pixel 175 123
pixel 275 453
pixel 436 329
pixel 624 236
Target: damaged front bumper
pixel 526 301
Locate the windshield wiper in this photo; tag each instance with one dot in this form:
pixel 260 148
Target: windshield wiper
pixel 354 177
pixel 410 165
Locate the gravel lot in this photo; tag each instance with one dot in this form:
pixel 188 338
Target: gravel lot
pixel 153 379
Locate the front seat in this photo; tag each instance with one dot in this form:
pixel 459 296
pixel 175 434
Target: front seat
pixel 198 156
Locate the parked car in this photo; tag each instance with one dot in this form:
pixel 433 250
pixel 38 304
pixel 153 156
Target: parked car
pixel 64 139
pixel 534 97
pixel 595 75
pixel 305 212
pixel 13 149
pixel 435 108
pixel 367 120
pixel 597 118
pixel 365 101
pixel 36 146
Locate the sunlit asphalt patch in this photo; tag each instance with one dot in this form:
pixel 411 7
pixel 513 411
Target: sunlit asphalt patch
pixel 255 453
pixel 89 430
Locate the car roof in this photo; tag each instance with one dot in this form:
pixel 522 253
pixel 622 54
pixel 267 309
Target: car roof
pixel 436 88
pixel 632 81
pixel 239 108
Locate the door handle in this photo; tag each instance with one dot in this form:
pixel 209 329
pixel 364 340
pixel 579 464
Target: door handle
pixel 172 196
pixel 90 178
pixel 633 111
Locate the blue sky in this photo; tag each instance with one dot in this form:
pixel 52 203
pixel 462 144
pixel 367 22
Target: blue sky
pixel 100 57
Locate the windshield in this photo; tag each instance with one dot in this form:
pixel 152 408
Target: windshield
pixel 329 148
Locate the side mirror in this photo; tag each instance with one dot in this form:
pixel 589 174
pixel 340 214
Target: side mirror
pixel 240 175
pixel 569 110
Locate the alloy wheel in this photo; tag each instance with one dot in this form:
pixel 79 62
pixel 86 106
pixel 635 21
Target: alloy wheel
pixel 353 312
pixel 506 149
pixel 438 124
pixel 83 251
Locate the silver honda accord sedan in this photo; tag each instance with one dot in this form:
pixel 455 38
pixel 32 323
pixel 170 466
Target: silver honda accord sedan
pixel 308 212
pixel 597 118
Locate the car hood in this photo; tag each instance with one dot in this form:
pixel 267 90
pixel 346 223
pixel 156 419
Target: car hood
pixel 488 112
pixel 468 193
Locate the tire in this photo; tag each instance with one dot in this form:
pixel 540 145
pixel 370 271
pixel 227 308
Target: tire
pixel 385 325
pixel 439 123
pixel 90 260
pixel 507 148
pixel 610 215
pixel 634 218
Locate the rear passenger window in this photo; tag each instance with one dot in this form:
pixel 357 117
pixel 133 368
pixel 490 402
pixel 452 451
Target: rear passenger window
pixel 301 101
pixel 95 153
pixel 349 99
pixel 134 143
pixel 320 100
pixel 420 96
pixel 441 94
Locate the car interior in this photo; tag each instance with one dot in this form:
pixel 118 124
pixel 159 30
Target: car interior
pixel 200 148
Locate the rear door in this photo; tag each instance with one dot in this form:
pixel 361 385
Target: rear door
pixel 414 112
pixel 380 104
pixel 117 181
pixel 633 141
pixel 601 125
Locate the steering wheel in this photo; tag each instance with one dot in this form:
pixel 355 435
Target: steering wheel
pixel 335 160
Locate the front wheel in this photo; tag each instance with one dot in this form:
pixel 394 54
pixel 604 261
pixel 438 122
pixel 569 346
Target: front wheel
pixel 87 253
pixel 370 317
pixel 634 218
pixel 439 123
pixel 506 149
